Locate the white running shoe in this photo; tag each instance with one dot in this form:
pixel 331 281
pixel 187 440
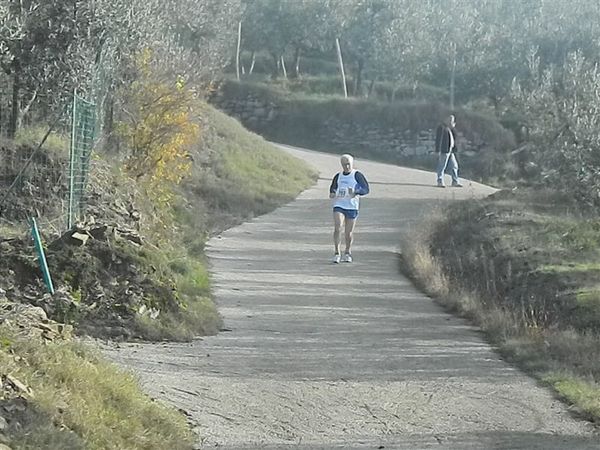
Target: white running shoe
pixel 336 258
pixel 347 258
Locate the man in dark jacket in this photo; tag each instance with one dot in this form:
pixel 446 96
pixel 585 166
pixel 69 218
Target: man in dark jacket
pixel 445 145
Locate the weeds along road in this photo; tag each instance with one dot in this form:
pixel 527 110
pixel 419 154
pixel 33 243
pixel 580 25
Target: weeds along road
pixel 322 356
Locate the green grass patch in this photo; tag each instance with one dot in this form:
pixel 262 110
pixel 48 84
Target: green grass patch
pixel 196 313
pixel 570 267
pixel 575 234
pixel 187 311
pixel 329 84
pixel 583 393
pixel 81 401
pixel 241 177
pixel 588 297
pixel 56 142
pixel 196 317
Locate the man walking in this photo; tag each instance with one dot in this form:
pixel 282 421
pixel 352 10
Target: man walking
pixel 345 189
pixel 445 145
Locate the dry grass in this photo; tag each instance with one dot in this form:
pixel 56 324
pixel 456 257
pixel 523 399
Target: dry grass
pixel 544 317
pixel 81 401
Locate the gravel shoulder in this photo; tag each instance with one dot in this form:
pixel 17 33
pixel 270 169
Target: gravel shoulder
pixel 316 355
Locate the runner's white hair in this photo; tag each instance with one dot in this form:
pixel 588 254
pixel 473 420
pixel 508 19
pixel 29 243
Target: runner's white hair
pixel 348 157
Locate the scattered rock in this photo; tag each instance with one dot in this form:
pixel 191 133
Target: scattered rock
pixel 100 232
pixel 131 236
pixel 32 321
pixel 79 238
pixel 18 385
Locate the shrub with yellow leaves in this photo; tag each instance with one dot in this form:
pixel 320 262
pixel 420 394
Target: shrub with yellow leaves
pixel 158 129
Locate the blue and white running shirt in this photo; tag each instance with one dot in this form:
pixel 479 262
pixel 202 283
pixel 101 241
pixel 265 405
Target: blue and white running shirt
pixel 342 182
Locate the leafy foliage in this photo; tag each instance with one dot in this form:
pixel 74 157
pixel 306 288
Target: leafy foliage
pixel 561 109
pixel 159 130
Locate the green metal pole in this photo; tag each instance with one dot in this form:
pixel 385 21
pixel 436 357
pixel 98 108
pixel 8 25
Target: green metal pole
pixel 72 166
pixel 41 255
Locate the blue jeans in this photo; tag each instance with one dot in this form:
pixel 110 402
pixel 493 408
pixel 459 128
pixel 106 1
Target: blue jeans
pixel 447 160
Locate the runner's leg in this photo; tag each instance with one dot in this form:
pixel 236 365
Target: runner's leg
pixel 349 229
pixel 338 220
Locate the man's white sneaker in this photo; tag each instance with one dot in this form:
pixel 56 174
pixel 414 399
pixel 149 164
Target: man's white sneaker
pixel 336 258
pixel 347 258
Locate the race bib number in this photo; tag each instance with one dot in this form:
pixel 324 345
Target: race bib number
pixel 342 192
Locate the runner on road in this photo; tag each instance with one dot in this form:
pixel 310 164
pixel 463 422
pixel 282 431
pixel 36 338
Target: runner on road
pixel 345 189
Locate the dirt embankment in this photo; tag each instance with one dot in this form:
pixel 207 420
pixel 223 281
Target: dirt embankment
pixel 98 267
pixel 524 266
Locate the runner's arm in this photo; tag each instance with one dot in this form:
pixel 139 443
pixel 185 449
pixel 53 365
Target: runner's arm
pixel 362 186
pixel 334 185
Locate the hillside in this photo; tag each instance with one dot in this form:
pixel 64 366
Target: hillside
pixel 521 264
pixel 127 271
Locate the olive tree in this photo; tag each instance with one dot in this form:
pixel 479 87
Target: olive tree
pixel 199 36
pixel 36 42
pixel 360 25
pixel 561 110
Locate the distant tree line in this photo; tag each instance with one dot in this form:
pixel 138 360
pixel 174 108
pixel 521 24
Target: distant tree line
pixel 533 63
pixel 534 60
pixel 50 48
pixel 481 44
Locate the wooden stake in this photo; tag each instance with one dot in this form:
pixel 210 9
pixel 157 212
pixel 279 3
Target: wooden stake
pixel 237 53
pixel 341 63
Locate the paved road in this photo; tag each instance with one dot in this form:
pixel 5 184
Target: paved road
pixel 322 356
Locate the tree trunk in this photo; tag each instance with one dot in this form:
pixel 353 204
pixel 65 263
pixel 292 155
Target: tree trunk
pixel 108 124
pixel 371 86
pixel 13 124
pixel 1 111
pixel 358 80
pixel 252 63
pixel 275 71
pixel 23 113
pixel 297 63
pixel 496 102
pixel 283 67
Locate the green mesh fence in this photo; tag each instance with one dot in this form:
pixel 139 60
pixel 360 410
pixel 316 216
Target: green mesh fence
pixel 82 141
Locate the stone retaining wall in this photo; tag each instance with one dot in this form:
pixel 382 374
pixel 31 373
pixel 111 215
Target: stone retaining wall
pixel 257 114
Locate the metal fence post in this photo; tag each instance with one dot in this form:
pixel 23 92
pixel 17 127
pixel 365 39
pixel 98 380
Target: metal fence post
pixel 41 255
